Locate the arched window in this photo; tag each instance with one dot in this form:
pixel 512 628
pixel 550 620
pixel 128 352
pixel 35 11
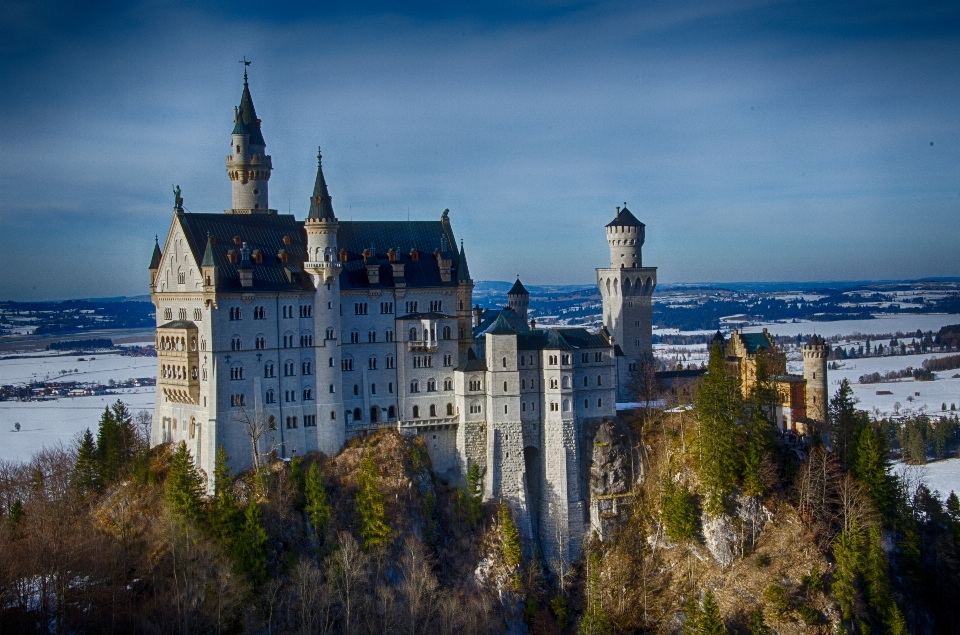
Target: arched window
pixel 431 385
pixel 504 362
pixel 270 397
pixel 413 334
pixel 599 403
pixel 599 380
pixel 416 412
pixel 433 410
pixel 449 409
pixel 586 382
pixel 329 334
pixel 523 406
pixel 414 386
pixel 586 403
pixel 566 405
pixel 374 414
pixel 357 414
pixel 392 412
pixel 333 415
pixel 566 382
pixel 446 332
pixel 504 386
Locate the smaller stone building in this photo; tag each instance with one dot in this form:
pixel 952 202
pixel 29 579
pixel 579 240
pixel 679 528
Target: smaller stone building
pixel 801 398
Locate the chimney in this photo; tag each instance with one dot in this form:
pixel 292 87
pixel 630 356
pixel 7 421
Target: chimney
pixel 398 278
pixel 373 273
pixel 477 315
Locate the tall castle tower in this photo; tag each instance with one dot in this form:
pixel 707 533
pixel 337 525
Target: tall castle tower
pixel 626 288
pixel 323 266
pixel 815 353
pixel 518 299
pixel 248 164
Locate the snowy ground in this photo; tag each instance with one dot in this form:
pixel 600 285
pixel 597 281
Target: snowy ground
pixel 940 476
pixel 100 367
pixel 47 423
pixel 933 394
pixel 906 323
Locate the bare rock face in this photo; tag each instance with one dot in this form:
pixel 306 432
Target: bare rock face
pixel 720 539
pixel 612 471
pixel 722 534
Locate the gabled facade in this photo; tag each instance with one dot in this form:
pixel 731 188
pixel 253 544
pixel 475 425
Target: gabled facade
pixel 801 403
pixel 301 334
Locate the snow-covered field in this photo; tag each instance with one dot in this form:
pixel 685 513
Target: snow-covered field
pixel 46 423
pixel 906 323
pixel 933 394
pixel 940 476
pixel 98 367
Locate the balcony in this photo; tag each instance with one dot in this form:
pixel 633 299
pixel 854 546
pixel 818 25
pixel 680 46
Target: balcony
pixel 178 362
pixel 419 346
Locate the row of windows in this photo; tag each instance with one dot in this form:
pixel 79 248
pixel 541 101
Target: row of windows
pixel 168 371
pixel 346 363
pixel 431 334
pixel 172 425
pixel 182 314
pixel 371 336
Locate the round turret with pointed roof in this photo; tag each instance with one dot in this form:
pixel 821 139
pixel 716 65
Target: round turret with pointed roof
pixel 625 236
pixel 518 299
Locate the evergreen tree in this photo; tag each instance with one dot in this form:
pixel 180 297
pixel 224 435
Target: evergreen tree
pixel 679 512
pixel 710 622
pixel 758 626
pixel 371 512
pixel 86 472
pixel 108 447
pixel 184 484
pixel 250 550
pixel 759 429
pixel 594 620
pixel 870 467
pixel 298 478
pixel 225 514
pixel 848 554
pixel 474 498
pixel 719 405
pixel 844 422
pixel 875 578
pixel 953 506
pixel 316 504
pixel 510 541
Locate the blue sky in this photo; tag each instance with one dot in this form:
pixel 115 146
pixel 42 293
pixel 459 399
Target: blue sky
pixel 757 140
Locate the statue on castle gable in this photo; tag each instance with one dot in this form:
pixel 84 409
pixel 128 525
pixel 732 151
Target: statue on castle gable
pixel 177 199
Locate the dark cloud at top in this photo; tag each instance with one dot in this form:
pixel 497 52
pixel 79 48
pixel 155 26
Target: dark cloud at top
pixel 757 140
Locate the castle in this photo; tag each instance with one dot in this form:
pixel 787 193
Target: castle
pixel 801 400
pixel 291 336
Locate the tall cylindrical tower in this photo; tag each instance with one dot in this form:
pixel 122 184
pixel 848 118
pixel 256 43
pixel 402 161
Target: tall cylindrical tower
pixel 815 353
pixel 248 164
pixel 518 299
pixel 323 266
pixel 625 236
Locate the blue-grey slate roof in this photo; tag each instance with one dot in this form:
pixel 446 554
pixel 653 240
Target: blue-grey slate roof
pixel 248 116
pixel 261 231
pixel 379 237
pixel 625 218
pixel 517 289
pixel 755 341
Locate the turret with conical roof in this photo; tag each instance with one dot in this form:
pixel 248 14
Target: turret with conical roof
pixel 625 236
pixel 518 299
pixel 248 164
pixel 321 226
pixel 464 304
pixel 155 262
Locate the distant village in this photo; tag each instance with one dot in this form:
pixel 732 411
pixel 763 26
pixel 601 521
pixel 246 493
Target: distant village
pixel 50 388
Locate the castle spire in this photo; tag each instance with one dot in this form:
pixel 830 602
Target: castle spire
pixel 248 115
pixel 321 204
pixel 463 272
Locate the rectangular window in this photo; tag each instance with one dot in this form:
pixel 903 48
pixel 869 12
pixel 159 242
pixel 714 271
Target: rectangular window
pixel 386 308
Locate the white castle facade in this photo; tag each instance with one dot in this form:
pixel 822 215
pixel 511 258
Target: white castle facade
pixel 319 330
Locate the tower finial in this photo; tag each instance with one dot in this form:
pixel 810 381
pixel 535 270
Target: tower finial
pixel 319 156
pixel 245 63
